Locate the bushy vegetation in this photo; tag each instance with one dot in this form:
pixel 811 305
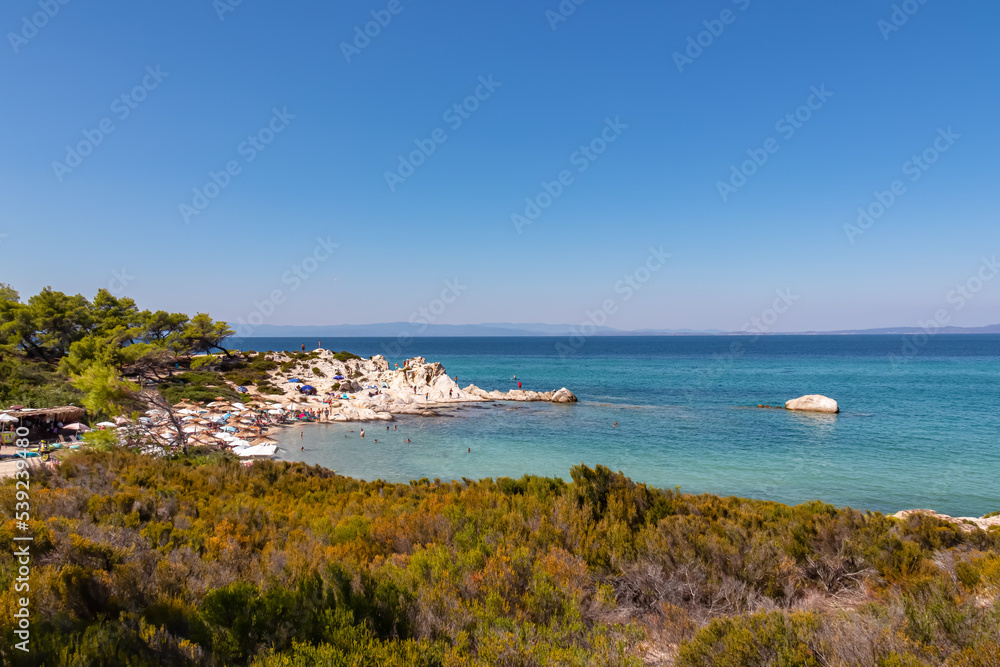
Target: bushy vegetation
pixel 199 560
pixel 57 349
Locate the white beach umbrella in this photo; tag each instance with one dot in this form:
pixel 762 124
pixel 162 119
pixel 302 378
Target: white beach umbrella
pixel 77 426
pixel 8 419
pixel 107 424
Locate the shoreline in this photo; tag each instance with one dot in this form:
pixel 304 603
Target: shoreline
pixel 366 390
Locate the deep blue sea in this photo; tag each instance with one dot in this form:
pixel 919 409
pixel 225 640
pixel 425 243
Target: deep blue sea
pixel 921 433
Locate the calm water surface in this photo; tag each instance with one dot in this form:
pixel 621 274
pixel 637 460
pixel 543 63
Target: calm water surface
pixel 925 433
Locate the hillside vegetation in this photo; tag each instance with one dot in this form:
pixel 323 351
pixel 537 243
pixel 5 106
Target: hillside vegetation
pixel 197 560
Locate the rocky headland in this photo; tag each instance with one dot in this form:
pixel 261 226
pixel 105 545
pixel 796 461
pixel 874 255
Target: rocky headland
pixel 369 390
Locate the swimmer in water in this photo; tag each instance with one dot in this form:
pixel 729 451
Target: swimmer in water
pixel 615 425
pixel 469 450
pixel 362 433
pixel 407 439
pixel 303 449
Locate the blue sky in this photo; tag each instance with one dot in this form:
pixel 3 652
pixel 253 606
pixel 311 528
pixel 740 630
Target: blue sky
pixel 116 219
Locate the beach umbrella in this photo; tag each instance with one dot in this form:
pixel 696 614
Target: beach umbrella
pixel 107 425
pixel 122 420
pixel 338 377
pixel 239 406
pixel 275 412
pixel 8 419
pixel 76 427
pixel 264 440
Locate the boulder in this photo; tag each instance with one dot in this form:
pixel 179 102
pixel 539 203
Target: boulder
pixel 564 395
pixel 813 403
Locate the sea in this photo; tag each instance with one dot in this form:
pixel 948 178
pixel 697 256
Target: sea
pixel 919 425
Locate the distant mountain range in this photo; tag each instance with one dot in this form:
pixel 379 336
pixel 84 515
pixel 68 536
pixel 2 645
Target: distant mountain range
pixel 396 329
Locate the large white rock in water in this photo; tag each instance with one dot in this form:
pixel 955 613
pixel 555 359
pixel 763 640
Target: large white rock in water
pixel 813 403
pixel 563 395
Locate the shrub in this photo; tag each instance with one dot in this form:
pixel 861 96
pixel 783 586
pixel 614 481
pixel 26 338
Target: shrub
pixel 773 638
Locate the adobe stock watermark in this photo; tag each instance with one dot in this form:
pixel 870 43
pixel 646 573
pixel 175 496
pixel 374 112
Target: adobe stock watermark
pixel 122 107
pixel 697 43
pixel 786 126
pixel 425 316
pixel 914 168
pixel 294 278
pixel 30 25
pixel 454 116
pixel 756 326
pixel 562 13
pixel 581 158
pixel 899 17
pixel 627 287
pixel 958 298
pixel 248 149
pixel 120 280
pixel 223 7
pixel 381 18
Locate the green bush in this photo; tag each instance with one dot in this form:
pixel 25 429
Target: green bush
pixel 774 639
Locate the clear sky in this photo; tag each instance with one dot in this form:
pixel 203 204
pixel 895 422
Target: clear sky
pixel 310 117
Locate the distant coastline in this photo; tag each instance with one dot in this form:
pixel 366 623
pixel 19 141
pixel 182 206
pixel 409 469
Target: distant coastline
pixel 499 330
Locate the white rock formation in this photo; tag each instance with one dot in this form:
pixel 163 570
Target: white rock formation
pixel 813 403
pixel 966 523
pixel 376 392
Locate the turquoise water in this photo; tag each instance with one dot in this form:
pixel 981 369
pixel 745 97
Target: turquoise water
pixel 923 433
